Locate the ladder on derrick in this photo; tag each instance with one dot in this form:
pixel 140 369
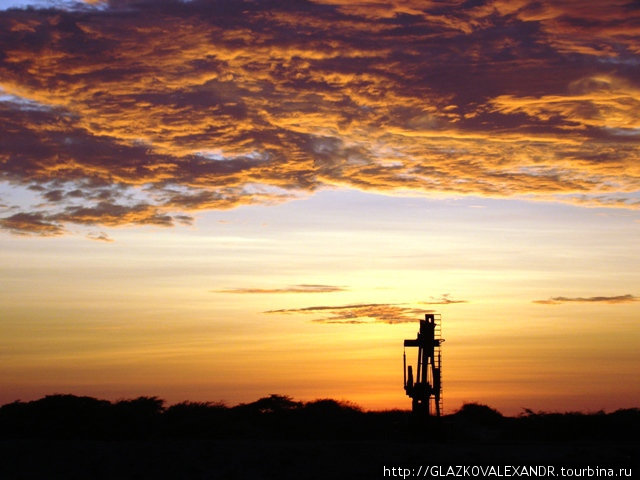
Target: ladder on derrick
pixel 437 361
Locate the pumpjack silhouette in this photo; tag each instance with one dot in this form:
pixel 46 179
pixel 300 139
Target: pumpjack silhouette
pixel 426 391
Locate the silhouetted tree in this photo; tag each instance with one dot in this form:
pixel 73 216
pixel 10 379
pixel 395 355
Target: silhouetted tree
pixel 138 417
pixel 200 419
pixel 281 417
pixel 56 416
pixel 480 414
pixel 273 403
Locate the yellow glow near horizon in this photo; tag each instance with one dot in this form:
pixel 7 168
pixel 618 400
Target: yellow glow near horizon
pixel 269 198
pixel 161 318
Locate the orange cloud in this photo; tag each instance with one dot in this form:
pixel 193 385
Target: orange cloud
pixel 26 223
pixel 600 101
pixel 254 103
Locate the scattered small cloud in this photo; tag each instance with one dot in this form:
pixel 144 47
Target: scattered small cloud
pixel 442 300
pixel 302 288
pixel 183 219
pixel 99 236
pixel 628 298
pixel 387 313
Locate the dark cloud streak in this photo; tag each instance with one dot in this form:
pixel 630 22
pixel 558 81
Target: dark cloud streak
pixel 443 300
pixel 302 288
pixel 359 313
pixel 628 298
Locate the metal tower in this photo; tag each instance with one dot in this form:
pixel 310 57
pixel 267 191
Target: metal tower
pixel 426 391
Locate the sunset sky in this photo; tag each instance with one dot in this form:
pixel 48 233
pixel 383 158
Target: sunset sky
pixel 223 199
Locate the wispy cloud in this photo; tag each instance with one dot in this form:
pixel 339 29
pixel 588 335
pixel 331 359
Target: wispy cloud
pixel 302 288
pixel 116 122
pixel 359 313
pixel 628 298
pixel 442 300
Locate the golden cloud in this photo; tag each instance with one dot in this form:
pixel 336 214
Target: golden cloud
pixel 26 223
pixel 152 110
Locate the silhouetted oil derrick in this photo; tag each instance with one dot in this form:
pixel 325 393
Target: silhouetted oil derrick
pixel 426 390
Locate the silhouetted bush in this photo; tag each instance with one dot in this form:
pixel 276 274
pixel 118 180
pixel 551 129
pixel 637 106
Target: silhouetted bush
pixel 571 426
pixel 327 418
pixel 197 419
pixel 272 404
pixel 136 418
pixel 479 414
pixel 55 416
pixel 624 424
pixel 281 417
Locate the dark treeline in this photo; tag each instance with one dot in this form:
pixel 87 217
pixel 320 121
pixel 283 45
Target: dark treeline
pixel 280 417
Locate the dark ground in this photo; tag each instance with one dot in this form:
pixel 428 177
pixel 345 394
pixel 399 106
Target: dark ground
pixel 280 459
pixel 67 437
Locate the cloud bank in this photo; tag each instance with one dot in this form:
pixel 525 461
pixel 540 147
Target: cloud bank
pixel 144 112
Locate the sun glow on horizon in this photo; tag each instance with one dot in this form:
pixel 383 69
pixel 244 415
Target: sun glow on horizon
pixel 165 315
pixel 269 198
